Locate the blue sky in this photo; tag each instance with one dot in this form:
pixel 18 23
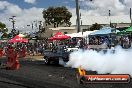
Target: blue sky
pixel 43 3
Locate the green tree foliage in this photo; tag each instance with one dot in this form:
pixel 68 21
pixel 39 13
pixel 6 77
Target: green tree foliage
pixel 10 35
pixel 3 28
pixel 57 16
pixel 5 35
pixel 14 32
pixel 95 26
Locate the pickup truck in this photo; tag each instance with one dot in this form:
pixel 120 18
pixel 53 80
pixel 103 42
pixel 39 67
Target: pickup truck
pixel 60 55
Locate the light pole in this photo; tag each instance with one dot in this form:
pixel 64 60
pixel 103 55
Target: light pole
pixel 40 25
pixel 36 24
pixel 81 24
pixel 109 17
pixel 30 25
pixel 130 16
pixel 78 17
pixel 13 21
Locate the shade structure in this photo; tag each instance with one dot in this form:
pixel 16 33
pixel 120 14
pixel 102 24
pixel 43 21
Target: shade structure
pixel 59 36
pixel 122 32
pixel 105 31
pixel 17 38
pixel 21 35
pixel 75 35
pixel 129 29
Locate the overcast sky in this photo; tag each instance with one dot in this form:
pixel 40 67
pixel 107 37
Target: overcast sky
pixel 27 11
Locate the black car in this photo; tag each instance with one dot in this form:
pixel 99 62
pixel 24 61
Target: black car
pixel 58 55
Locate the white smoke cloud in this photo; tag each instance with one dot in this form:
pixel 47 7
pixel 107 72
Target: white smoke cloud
pixel 30 1
pixel 118 63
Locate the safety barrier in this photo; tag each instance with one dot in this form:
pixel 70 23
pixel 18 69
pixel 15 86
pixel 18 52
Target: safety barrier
pixel 1 52
pixel 12 59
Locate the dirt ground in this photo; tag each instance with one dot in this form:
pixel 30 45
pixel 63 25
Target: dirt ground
pixel 33 57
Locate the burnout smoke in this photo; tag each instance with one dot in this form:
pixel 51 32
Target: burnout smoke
pixel 119 62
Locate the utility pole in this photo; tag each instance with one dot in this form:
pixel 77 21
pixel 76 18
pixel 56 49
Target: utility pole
pixel 36 25
pixel 78 17
pixel 130 16
pixel 40 25
pixel 109 17
pixel 32 26
pixel 13 21
pixel 81 23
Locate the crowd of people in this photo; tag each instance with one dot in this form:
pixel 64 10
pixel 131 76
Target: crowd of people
pixel 31 48
pixel 123 41
pixel 38 47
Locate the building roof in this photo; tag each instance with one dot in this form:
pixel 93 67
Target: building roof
pixel 89 20
pixel 81 34
pixel 63 28
pixel 121 25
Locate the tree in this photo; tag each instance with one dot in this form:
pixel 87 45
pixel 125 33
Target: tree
pixel 14 32
pixel 10 35
pixel 57 16
pixel 5 35
pixel 95 26
pixel 3 28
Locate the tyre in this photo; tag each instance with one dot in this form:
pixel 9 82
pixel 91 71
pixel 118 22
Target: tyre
pixel 83 80
pixel 46 60
pixel 56 62
pixel 80 80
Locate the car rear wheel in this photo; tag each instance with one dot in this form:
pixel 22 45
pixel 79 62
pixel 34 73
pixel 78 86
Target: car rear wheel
pixel 80 79
pixel 47 61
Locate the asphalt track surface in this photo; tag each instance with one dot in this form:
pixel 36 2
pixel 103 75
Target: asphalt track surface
pixel 35 74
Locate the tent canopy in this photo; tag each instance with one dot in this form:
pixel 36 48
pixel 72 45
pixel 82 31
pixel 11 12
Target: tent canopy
pixel 21 35
pixel 126 31
pixel 75 35
pixel 80 34
pixel 121 32
pixel 105 31
pixel 86 33
pixel 59 36
pixel 129 29
pixel 17 38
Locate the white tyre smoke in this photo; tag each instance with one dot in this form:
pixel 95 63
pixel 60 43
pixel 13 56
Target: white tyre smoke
pixel 119 62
